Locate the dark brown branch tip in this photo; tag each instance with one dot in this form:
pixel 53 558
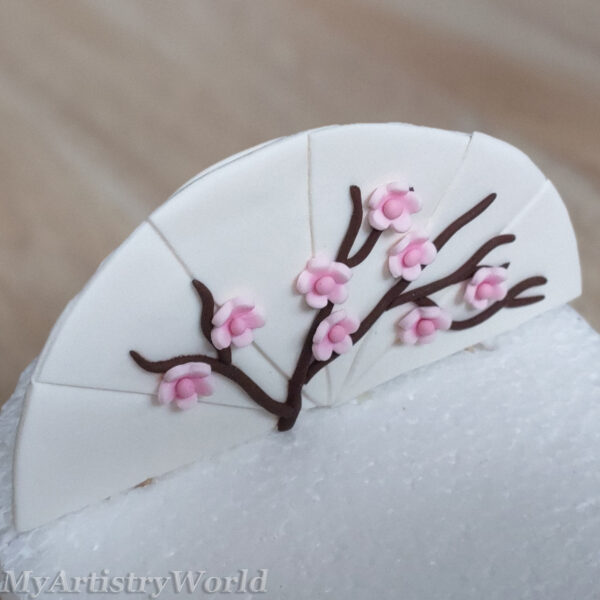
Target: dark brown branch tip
pixel 463 220
pixel 353 226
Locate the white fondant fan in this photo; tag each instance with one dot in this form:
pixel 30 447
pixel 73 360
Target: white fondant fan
pixel 323 265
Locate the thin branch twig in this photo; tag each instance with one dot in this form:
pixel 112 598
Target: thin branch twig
pixel 237 376
pixel 208 311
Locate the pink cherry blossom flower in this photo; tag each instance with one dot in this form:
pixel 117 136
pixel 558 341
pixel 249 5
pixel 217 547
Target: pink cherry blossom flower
pixel 409 254
pixel 333 335
pixel 234 323
pixel 487 285
pixel 420 325
pixel 323 281
pixel 184 384
pixel 391 205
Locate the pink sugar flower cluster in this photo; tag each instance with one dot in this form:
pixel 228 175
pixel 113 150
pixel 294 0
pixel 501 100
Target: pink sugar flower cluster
pixel 234 323
pixel 422 323
pixel 407 257
pixel 324 281
pixel 487 285
pixel 184 384
pixel 333 335
pixel 391 205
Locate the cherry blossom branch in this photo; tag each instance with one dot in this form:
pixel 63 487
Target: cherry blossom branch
pixel 395 292
pixel 305 359
pixel 510 301
pixel 307 366
pixel 207 313
pixel 353 226
pixel 461 274
pixel 231 372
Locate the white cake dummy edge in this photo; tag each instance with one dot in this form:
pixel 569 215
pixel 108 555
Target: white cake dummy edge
pixel 448 492
pixel 104 407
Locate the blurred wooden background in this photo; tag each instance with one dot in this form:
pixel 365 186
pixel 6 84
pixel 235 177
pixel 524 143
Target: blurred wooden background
pixel 107 106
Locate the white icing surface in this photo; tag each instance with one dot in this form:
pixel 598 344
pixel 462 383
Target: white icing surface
pixel 120 441
pixel 476 477
pixel 247 226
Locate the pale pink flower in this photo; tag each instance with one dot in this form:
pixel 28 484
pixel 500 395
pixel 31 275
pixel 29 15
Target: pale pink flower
pixel 184 384
pixel 333 335
pixel 420 325
pixel 323 281
pixel 391 205
pixel 407 257
pixel 487 285
pixel 234 323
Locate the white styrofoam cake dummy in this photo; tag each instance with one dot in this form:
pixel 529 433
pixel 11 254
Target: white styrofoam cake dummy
pixel 245 231
pixel 484 486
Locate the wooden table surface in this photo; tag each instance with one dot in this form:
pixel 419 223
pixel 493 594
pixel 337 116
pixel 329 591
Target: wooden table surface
pixel 107 106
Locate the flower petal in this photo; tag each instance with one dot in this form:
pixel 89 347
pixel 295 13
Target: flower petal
pixel 395 266
pixel 187 403
pixel 408 336
pixel 323 350
pixel 166 392
pixel 499 291
pixel 304 283
pixel 410 319
pixel 344 346
pixel 178 372
pixel 444 321
pixel 339 294
pixel 221 316
pixel 319 264
pixel 411 273
pixel 480 303
pixel 481 275
pixel 412 202
pixel 428 253
pixel 316 300
pixel 398 187
pixel 340 272
pixel 402 223
pixel 350 323
pixel 254 319
pixel 378 196
pixel 378 220
pixel 200 369
pixel 204 385
pixel 426 339
pixel 401 245
pixel 336 317
pixel 221 337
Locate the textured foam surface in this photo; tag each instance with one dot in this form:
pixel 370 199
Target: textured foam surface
pixel 476 477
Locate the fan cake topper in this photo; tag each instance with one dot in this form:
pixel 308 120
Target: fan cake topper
pixel 299 274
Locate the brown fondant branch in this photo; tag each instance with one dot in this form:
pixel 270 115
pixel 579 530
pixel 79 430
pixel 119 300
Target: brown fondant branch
pixel 396 290
pixel 466 271
pixel 395 297
pixel 208 311
pixel 305 358
pixel 510 301
pixel 231 372
pixel 365 249
pixel 354 225
pixel 444 237
pixel 306 366
pixel 298 379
